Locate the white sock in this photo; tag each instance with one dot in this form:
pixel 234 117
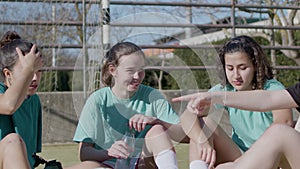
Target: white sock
pixel 166 159
pixel 198 164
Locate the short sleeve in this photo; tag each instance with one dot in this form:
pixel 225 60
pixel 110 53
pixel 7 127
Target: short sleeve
pixel 85 131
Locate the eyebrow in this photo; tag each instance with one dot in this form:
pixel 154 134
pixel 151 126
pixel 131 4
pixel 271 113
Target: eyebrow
pixel 243 64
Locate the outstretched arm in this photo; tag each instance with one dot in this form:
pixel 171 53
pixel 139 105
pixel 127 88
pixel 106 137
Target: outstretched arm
pixel 255 100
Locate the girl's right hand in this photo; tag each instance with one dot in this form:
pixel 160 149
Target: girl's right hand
pixel 207 153
pixel 119 150
pixel 31 60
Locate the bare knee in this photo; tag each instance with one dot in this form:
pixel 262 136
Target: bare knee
pixel 12 138
pixel 155 131
pixel 276 130
pixel 157 140
pixel 11 142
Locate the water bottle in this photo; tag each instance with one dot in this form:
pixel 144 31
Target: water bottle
pixel 129 139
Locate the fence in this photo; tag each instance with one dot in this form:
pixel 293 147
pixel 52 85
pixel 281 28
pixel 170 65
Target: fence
pixel 76 31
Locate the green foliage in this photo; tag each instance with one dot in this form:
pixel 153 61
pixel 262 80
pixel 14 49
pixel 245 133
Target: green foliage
pixel 174 79
pixel 189 78
pixel 56 81
pixel 48 80
pixel 285 76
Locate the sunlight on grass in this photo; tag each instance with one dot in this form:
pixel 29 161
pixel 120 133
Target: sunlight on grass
pixel 67 154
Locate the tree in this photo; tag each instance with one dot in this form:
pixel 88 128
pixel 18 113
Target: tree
pixel 281 17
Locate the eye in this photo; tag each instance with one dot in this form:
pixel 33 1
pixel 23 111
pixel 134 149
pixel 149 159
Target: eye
pixel 230 68
pixel 243 67
pixel 130 71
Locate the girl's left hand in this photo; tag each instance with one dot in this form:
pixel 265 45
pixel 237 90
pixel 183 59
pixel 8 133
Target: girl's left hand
pixel 139 122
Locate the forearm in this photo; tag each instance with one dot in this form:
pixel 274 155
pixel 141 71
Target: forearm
pixel 88 153
pixel 193 127
pixel 255 100
pixel 14 96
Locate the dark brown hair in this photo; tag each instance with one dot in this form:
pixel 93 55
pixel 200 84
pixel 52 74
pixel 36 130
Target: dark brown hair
pixel 8 54
pixel 249 46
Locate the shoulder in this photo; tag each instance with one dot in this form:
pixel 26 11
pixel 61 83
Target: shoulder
pixel 2 87
pixel 273 84
pixel 146 88
pixel 148 91
pixel 99 95
pixel 220 87
pixel 35 98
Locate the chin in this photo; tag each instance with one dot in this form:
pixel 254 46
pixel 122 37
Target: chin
pixel 240 89
pixel 31 92
pixel 131 90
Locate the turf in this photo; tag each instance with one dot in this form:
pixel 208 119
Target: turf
pixel 67 154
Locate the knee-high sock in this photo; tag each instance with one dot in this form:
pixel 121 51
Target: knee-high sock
pixel 166 159
pixel 198 164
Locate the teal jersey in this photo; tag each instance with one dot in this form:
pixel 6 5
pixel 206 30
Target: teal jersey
pixel 27 122
pixel 248 126
pixel 104 118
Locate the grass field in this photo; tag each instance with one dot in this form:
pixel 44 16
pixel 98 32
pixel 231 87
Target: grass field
pixel 67 154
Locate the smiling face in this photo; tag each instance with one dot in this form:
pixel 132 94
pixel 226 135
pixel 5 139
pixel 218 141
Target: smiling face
pixel 239 70
pixel 128 75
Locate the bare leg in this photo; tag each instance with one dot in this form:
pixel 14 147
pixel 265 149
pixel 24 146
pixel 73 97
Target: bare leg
pixel 157 141
pixel 265 153
pixel 13 153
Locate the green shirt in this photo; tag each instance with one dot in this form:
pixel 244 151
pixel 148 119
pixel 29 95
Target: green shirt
pixel 104 118
pixel 27 122
pixel 248 126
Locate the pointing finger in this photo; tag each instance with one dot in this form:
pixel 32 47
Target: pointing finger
pixel 184 98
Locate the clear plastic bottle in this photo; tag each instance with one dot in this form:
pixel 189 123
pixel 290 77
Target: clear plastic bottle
pixel 129 139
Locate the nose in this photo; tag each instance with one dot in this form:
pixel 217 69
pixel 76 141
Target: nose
pixel 236 73
pixel 136 75
pixel 139 74
pixel 34 76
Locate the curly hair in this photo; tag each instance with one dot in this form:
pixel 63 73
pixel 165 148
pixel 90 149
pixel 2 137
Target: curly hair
pixel 249 46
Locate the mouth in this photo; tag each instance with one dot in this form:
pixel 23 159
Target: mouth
pixel 237 83
pixel 33 86
pixel 135 83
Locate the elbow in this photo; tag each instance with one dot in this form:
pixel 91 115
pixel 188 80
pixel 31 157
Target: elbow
pixel 290 123
pixel 81 155
pixel 83 152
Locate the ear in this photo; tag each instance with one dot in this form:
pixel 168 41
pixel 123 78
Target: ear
pixel 112 69
pixel 7 73
pixel 7 76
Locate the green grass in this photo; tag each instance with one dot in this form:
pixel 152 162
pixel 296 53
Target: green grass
pixel 67 154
